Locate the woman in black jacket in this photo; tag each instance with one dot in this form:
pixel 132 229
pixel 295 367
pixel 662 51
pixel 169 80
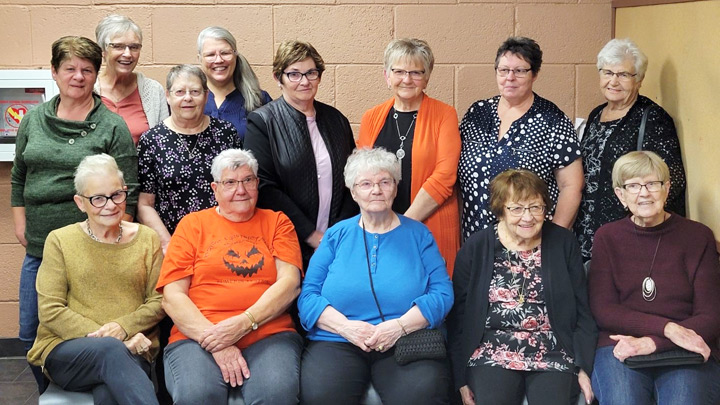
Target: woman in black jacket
pixel 521 324
pixel 301 146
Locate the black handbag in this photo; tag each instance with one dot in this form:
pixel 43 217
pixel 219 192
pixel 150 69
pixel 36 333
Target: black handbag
pixel 423 344
pixel 675 357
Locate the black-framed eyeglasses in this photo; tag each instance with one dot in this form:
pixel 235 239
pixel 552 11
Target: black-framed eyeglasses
pixel 651 186
pixel 119 46
pixel 100 201
pixel 518 211
pixel 518 72
pixel 623 76
pixel 312 74
pixel 414 74
pixel 248 183
pixel 384 184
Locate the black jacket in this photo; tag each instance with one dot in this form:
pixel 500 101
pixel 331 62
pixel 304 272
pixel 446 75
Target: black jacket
pixel 565 288
pixel 278 136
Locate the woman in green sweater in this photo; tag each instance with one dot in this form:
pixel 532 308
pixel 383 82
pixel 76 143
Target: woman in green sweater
pixel 96 294
pixel 52 140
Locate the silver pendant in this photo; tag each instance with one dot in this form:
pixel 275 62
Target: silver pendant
pixel 648 289
pixel 400 154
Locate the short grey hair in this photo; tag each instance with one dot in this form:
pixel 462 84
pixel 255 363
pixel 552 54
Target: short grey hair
pixel 412 49
pixel 373 160
pixel 244 77
pixel 185 70
pixel 618 51
pixel 639 163
pixel 96 165
pixel 232 159
pixel 114 25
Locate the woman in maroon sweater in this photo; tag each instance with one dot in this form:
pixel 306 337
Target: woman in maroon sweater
pixel 654 286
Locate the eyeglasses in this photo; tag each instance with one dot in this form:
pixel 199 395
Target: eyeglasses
pixel 367 185
pixel 622 76
pixel 100 201
pixel 518 72
pixel 414 74
pixel 535 210
pixel 249 183
pixel 225 55
pixel 119 46
pixel 651 186
pixel 193 92
pixel 312 74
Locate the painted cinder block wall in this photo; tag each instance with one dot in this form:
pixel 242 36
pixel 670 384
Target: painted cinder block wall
pixel 351 37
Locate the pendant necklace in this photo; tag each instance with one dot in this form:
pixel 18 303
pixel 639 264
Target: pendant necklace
pixel 400 153
pixel 649 290
pixel 95 238
pixel 191 152
pixel 521 296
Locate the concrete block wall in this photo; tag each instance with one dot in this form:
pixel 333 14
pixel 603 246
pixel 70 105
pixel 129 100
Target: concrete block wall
pixel 350 35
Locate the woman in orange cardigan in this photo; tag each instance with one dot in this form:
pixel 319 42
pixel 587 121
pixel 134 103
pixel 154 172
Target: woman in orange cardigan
pixel 423 133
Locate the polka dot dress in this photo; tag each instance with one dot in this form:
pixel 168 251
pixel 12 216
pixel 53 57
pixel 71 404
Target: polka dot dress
pixel 542 140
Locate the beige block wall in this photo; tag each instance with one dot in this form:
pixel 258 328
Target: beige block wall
pixel 679 42
pixel 350 35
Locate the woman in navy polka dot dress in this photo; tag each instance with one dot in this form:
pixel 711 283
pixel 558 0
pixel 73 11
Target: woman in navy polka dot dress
pixel 517 129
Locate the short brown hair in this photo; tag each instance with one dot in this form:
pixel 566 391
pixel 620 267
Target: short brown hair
pixel 67 47
pixel 515 185
pixel 293 51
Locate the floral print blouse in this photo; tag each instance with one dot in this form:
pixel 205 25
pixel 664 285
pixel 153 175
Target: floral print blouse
pixel 518 334
pixel 176 167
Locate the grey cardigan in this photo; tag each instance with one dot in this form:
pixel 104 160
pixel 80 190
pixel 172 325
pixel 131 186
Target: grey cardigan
pixel 152 96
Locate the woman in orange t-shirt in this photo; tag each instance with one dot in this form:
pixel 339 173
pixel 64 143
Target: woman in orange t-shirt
pixel 423 133
pixel 228 278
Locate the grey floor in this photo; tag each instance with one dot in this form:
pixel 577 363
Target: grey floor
pixel 17 384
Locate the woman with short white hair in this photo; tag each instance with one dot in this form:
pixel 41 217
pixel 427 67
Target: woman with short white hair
pixel 613 129
pixel 138 99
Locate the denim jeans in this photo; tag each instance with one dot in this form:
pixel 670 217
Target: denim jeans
pixel 29 311
pixel 104 366
pixel 616 384
pixel 193 377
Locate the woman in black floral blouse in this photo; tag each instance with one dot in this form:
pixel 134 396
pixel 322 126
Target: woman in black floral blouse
pixel 521 324
pixel 175 156
pixel 612 131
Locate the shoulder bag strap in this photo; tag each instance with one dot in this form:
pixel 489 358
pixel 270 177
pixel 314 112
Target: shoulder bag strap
pixel 367 259
pixel 641 134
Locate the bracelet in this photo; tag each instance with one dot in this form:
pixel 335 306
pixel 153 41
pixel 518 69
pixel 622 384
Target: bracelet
pixel 401 326
pixel 253 324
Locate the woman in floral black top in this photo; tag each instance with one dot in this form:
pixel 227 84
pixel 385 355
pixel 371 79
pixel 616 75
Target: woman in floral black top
pixel 175 156
pixel 521 324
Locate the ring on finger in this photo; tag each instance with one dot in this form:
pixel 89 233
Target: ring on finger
pixel 381 347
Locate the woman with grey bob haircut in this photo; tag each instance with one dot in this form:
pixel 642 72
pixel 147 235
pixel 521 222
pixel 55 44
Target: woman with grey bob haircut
pixel 613 129
pixel 373 160
pixel 181 70
pixel 139 100
pixel 409 48
pixel 232 159
pixel 234 87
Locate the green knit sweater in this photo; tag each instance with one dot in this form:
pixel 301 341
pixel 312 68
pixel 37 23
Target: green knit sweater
pixel 83 284
pixel 47 152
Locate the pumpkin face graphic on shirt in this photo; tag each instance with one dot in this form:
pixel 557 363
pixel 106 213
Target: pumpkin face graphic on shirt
pixel 244 259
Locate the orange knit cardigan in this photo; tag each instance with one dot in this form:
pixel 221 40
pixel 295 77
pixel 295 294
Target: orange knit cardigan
pixel 435 155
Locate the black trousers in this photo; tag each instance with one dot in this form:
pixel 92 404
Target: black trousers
pixel 340 373
pixel 499 386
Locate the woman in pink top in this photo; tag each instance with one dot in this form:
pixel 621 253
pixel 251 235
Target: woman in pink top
pixel 139 100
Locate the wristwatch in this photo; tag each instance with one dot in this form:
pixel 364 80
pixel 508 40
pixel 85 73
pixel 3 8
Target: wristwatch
pixel 253 324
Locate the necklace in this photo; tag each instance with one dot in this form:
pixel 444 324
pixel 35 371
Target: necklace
pixel 95 238
pixel 521 296
pixel 400 153
pixel 648 285
pixel 191 152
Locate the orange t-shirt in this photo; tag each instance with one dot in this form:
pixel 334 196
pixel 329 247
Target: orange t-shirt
pixel 231 264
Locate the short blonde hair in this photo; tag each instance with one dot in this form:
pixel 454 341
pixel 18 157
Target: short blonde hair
pixel 639 163
pixel 516 185
pixel 411 49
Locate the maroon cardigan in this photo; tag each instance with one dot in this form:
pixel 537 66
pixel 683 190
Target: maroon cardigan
pixel 686 274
